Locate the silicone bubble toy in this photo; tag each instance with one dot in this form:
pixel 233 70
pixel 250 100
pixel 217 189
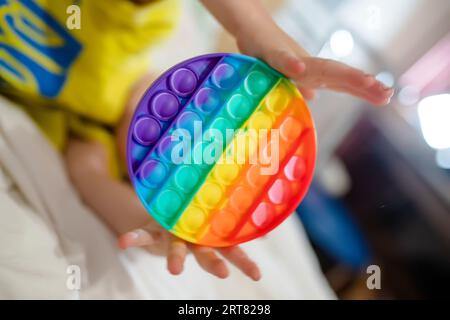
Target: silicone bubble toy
pixel 221 149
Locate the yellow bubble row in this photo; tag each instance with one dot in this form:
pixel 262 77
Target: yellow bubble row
pixel 212 194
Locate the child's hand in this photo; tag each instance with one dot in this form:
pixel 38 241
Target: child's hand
pixel 159 241
pixel 87 164
pixel 309 73
pixel 258 35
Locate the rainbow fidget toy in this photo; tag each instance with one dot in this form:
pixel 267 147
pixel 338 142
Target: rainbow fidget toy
pixel 221 149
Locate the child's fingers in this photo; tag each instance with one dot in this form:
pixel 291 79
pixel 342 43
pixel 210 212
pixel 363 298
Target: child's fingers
pixel 320 72
pixel 376 88
pixel 376 95
pixel 379 93
pixel 308 93
pixel 209 261
pixel 240 259
pixel 285 62
pixel 176 256
pixel 136 238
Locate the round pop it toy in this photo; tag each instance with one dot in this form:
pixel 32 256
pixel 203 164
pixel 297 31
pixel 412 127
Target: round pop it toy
pixel 221 149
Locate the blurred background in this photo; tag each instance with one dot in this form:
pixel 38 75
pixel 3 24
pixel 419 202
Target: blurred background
pixel 381 193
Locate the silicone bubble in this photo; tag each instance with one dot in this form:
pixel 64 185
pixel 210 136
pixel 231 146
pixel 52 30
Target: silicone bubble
pixel 221 149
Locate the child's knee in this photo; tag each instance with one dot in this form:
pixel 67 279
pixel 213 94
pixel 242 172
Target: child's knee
pixel 85 158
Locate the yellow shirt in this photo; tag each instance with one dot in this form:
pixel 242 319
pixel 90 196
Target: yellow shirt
pixel 88 71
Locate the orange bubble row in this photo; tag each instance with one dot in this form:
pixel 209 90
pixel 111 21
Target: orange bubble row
pixel 256 200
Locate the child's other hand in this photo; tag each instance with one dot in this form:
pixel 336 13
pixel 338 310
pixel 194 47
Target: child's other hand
pixel 281 52
pixel 158 241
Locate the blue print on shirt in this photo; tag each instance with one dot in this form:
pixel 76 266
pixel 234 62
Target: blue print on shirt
pixel 62 55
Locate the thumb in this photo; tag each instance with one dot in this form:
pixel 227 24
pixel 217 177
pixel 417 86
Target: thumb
pixel 137 238
pixel 286 62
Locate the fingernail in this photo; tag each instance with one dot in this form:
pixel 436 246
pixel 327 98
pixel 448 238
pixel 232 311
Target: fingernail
pixel 143 235
pixel 256 278
pixel 177 270
pixel 384 86
pixel 388 100
pixel 302 65
pixel 133 235
pixel 221 270
pixel 140 232
pixel 389 93
pixel 369 80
